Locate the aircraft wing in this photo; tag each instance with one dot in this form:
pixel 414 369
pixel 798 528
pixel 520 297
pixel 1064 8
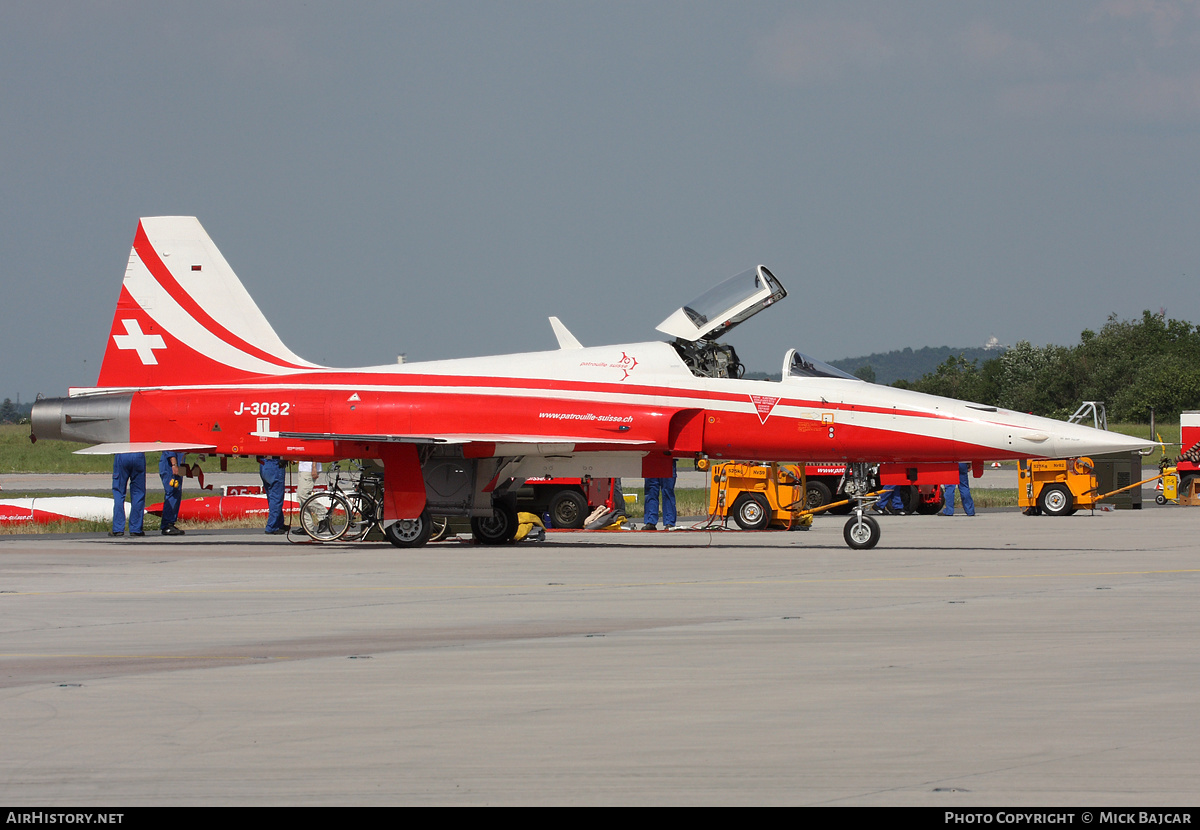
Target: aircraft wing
pixel 143 446
pixel 449 438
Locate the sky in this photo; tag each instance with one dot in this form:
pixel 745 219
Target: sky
pixel 435 179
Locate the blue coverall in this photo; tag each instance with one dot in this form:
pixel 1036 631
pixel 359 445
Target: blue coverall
pixel 891 497
pixel 964 470
pixel 271 472
pixel 172 496
pixel 663 488
pixel 129 469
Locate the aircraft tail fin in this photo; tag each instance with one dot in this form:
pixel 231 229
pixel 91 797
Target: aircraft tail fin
pixel 184 318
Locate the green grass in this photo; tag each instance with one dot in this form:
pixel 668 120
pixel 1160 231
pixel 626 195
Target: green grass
pixel 33 528
pixel 150 524
pixel 1001 497
pixel 17 455
pixel 688 502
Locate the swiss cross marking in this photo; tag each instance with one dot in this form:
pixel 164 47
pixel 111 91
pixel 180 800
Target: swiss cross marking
pixel 763 404
pixel 143 344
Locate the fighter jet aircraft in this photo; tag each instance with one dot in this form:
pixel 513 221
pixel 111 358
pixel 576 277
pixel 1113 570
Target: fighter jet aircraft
pixel 191 362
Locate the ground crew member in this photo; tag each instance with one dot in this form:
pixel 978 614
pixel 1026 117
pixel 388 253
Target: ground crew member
pixel 270 470
pixel 964 470
pixel 664 489
pixel 310 471
pixel 172 481
pixel 129 469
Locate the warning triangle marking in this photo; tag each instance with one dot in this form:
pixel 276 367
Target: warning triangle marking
pixel 763 404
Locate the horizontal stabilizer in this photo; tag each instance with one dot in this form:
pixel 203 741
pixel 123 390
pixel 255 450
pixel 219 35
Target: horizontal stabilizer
pixel 143 446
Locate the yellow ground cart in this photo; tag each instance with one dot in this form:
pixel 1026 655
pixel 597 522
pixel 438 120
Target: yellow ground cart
pixel 1061 486
pixel 758 495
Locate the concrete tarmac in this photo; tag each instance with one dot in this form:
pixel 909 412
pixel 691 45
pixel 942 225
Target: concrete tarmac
pixel 995 660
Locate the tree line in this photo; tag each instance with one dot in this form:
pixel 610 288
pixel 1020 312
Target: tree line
pixel 9 413
pixel 905 364
pixel 1134 366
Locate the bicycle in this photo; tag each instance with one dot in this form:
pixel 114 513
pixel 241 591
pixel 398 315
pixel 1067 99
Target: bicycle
pixel 340 512
pixel 351 514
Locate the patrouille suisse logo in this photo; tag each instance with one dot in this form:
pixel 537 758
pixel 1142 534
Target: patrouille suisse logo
pixel 626 364
pixel 763 404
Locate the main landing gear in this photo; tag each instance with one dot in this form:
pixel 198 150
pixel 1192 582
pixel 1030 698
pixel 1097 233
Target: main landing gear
pixel 500 527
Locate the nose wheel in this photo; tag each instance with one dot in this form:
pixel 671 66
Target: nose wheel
pixel 862 531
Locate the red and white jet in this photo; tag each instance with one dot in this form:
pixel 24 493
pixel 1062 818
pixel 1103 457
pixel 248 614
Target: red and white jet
pixel 192 363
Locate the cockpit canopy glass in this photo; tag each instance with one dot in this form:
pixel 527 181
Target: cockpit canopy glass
pixel 723 306
pixel 797 365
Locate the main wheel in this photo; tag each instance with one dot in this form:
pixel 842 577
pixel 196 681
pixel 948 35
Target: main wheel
pixel 751 512
pixel 817 495
pixel 861 532
pixel 1055 500
pixel 325 516
pixel 498 528
pixel 410 533
pixel 568 509
pixel 910 497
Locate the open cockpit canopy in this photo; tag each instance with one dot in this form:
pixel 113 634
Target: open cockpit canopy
pixel 719 309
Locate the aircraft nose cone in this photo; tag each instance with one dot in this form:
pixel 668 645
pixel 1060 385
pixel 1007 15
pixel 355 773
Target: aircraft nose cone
pixel 1082 440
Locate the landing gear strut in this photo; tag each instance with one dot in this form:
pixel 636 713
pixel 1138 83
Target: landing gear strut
pixel 861 531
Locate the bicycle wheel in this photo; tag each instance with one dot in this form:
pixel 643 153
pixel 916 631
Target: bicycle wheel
pixel 362 516
pixel 325 516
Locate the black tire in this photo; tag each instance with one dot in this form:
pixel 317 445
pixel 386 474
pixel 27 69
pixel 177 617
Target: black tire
pixel 1055 500
pixel 751 512
pixel 410 533
pixel 1160 499
pixel 325 516
pixel 861 535
pixel 568 509
pixel 1185 485
pixel 910 497
pixel 817 495
pixel 441 528
pixel 497 529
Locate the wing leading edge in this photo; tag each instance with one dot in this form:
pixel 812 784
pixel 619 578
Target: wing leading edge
pixel 471 438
